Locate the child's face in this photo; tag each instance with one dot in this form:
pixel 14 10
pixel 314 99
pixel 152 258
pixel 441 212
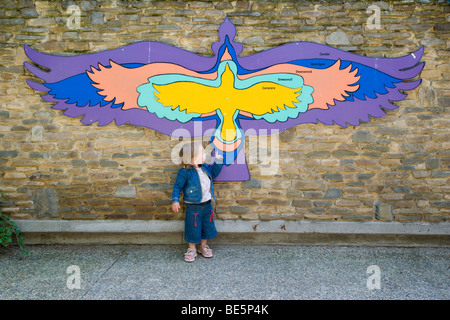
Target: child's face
pixel 199 156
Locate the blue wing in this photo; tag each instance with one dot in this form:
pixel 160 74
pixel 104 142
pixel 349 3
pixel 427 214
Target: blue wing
pixel 79 90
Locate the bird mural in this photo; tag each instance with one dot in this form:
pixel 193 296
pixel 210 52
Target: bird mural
pixel 165 88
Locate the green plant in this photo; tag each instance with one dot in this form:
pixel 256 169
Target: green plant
pixel 7 229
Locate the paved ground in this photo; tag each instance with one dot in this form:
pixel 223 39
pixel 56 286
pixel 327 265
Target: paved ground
pixel 235 272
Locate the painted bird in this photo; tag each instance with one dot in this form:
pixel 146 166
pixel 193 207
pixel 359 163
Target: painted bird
pixel 165 88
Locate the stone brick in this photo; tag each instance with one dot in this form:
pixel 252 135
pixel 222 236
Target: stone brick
pixel 444 101
pixel 78 163
pixel 442 26
pixel 402 189
pixel 355 217
pixel 333 176
pixel 365 176
pixel 319 203
pixel 313 194
pixel 318 154
pixel 157 186
pixel 391 131
pixel 247 202
pixel 383 211
pixel 4 113
pixel 363 136
pixel 344 153
pixel 432 163
pixel 333 193
pixel 274 201
pixel 14 175
pixel 440 204
pixel 97 18
pixel 440 174
pixel 337 38
pixel 9 154
pixel 39 155
pixel 239 209
pixel 58 136
pixel 109 163
pixel 252 184
pixel 126 192
pixel 310 185
pixel 255 40
pixel 303 203
pixel 46 202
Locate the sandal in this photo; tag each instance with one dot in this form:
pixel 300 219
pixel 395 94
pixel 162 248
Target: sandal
pixel 205 251
pixel 190 255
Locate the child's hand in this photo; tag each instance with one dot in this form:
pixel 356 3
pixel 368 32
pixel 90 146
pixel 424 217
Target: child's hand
pixel 218 158
pixel 175 206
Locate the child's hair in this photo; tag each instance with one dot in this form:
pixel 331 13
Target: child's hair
pixel 191 150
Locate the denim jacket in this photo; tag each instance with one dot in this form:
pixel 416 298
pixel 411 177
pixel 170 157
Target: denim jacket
pixel 188 181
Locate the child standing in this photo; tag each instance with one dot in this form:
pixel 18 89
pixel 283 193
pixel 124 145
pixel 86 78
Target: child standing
pixel 195 180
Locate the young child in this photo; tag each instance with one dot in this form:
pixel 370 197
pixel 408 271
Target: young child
pixel 195 180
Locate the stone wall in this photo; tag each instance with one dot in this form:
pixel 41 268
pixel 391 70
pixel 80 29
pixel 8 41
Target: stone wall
pixel 395 168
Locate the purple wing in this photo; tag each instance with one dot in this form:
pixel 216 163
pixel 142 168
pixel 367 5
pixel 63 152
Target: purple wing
pixel 382 81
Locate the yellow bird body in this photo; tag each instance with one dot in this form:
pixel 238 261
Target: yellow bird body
pixel 227 95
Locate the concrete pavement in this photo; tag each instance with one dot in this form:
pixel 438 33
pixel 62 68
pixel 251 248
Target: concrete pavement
pixel 236 272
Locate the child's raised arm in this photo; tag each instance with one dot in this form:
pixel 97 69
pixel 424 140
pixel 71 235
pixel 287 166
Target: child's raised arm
pixel 217 165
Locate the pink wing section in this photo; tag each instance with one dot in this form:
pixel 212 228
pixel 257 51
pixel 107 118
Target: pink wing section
pixel 120 83
pixel 330 85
